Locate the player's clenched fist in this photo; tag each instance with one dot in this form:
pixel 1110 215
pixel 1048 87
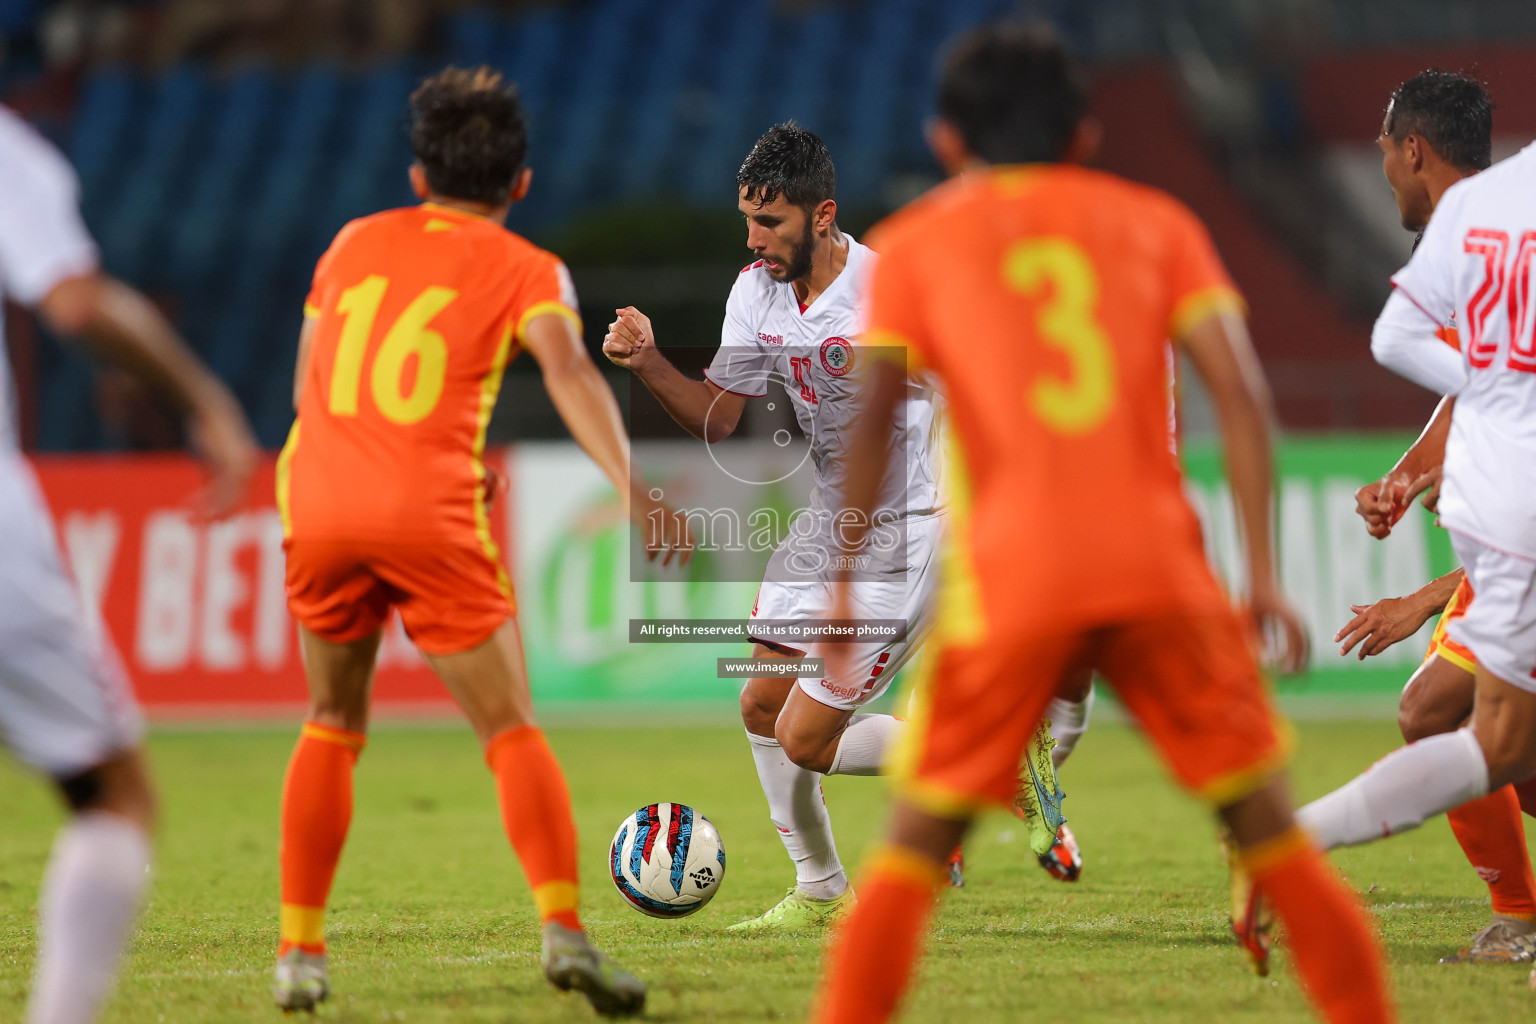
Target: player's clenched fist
pixel 629 342
pixel 1381 504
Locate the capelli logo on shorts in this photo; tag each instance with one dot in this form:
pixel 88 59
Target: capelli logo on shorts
pixel 846 692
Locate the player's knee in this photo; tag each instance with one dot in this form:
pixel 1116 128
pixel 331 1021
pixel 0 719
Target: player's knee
pixel 759 712
pixel 83 791
pixel 1417 720
pixel 116 786
pixel 812 753
pixel 351 716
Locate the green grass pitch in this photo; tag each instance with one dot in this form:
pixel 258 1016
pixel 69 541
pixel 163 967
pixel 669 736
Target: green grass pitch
pixel 431 922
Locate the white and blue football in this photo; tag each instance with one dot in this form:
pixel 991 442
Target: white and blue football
pixel 666 860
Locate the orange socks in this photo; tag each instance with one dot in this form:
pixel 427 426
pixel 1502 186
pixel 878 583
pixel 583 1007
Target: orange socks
pixel 1492 835
pixel 873 952
pixel 1331 944
pixel 317 809
pixel 536 810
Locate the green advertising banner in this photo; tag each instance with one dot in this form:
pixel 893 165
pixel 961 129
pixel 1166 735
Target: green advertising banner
pixel 577 590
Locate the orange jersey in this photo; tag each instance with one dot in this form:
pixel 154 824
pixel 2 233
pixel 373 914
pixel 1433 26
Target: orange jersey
pixel 1043 297
pixel 417 313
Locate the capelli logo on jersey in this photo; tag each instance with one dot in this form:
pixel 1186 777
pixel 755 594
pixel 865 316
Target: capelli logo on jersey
pixel 771 339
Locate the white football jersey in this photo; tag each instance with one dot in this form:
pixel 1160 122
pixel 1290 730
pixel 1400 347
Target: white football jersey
pixel 1477 264
pixel 767 338
pixel 42 238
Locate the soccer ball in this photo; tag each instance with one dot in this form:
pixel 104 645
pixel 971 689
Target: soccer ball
pixel 666 860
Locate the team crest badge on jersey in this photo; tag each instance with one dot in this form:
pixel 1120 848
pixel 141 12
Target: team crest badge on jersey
pixel 837 356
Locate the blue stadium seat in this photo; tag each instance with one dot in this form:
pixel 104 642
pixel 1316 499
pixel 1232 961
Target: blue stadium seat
pixel 201 238
pixel 650 130
pixel 141 215
pixel 375 152
pixel 586 141
pixel 884 59
pixel 104 120
pixel 475 37
pixel 741 68
pixel 271 225
pixel 531 49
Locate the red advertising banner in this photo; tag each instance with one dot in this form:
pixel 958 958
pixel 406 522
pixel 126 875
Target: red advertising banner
pixel 197 609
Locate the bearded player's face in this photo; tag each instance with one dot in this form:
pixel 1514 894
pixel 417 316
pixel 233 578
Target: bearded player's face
pixel 779 233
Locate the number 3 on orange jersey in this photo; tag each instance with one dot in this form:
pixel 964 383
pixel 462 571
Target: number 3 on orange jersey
pixel 1080 401
pixel 408 336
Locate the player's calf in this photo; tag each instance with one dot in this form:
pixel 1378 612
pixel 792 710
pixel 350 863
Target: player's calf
pixel 1504 722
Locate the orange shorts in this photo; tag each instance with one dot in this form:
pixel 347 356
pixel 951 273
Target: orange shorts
pixel 1440 642
pixel 1190 681
pixel 451 597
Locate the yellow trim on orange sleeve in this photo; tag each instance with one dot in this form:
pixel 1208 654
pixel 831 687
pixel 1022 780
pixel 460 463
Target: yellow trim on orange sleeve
pixel 892 347
pixel 907 865
pixel 490 387
pixel 555 897
pixel 1196 306
pixel 284 484
pixel 354 741
pixel 311 310
pixel 301 926
pixel 538 309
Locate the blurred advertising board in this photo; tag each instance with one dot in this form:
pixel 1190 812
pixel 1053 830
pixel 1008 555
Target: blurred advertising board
pixel 197 609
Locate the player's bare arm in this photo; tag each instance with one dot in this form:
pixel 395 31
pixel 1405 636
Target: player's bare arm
pixel 1378 626
pixel 1382 503
pixel 588 409
pixel 1222 353
pixel 124 327
pixel 707 412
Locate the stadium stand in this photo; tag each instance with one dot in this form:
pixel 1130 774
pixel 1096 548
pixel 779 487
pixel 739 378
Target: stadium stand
pixel 635 104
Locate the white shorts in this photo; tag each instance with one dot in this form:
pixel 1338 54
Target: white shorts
pixel 906 597
pixel 65 704
pixel 1500 624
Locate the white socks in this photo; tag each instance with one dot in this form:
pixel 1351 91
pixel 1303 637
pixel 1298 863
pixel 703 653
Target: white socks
pixel 1398 792
pixel 90 898
pixel 1069 720
pixel 861 749
pixel 796 806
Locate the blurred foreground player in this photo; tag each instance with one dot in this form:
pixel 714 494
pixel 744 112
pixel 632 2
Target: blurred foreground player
pixel 1042 295
pixel 412 320
pixel 1438 130
pixel 65 706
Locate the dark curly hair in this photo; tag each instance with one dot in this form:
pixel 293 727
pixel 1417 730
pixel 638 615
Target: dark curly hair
pixel 469 134
pixel 1012 92
pixel 788 161
pixel 1449 110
